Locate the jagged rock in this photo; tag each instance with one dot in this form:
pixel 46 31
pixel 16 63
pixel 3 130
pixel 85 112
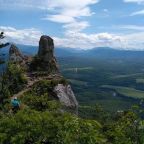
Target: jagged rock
pixel 15 55
pixel 66 96
pixel 46 55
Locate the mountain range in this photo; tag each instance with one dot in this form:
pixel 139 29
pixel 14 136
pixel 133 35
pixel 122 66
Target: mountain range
pixel 99 53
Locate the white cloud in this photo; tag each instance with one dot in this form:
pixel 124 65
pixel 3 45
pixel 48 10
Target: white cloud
pixel 70 13
pixel 135 1
pixel 60 18
pixel 137 13
pixel 22 36
pixel 46 4
pixel 67 12
pixel 133 41
pixel 76 26
pixel 69 9
pixel 78 4
pixel 31 36
pixel 24 4
pixel 84 41
pixel 130 27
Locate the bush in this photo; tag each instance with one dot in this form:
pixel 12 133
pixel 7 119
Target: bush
pixel 12 81
pixel 40 102
pixel 29 127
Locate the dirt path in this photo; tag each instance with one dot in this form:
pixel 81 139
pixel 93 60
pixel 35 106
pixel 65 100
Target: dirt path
pixel 28 87
pixel 32 81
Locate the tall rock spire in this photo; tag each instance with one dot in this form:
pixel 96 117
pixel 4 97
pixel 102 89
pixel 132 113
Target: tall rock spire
pixel 46 55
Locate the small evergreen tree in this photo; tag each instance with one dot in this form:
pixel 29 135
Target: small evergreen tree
pixel 2 37
pixel 2 44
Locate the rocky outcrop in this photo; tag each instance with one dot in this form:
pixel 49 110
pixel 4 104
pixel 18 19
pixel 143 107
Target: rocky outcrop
pixel 46 55
pixel 15 55
pixel 48 63
pixel 66 96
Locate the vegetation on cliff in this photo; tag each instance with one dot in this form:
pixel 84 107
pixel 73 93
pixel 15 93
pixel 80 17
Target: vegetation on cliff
pixel 42 120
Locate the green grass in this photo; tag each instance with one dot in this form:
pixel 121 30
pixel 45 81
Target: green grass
pixel 125 76
pixel 140 80
pixel 126 91
pixel 78 69
pixel 77 82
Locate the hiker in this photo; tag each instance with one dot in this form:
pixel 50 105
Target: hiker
pixel 15 104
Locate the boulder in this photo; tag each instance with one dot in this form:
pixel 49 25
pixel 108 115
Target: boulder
pixel 66 96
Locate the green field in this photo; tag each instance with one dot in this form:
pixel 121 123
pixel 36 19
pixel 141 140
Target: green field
pixel 77 82
pixel 76 69
pixel 127 75
pixel 140 81
pixel 126 91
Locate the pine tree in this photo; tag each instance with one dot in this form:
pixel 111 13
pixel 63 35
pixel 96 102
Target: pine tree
pixel 2 44
pixel 2 37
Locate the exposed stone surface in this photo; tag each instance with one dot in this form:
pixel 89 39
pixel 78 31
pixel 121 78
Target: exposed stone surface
pixel 15 55
pixel 46 55
pixel 66 96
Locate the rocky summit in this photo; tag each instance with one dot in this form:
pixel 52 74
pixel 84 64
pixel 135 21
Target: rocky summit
pixel 46 55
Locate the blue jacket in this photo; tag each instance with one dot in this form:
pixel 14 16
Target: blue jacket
pixel 15 102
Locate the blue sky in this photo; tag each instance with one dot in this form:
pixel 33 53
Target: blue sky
pixel 81 24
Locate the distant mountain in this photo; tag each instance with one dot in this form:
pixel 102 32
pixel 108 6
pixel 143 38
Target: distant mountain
pixel 67 52
pixel 110 53
pixel 27 49
pixel 100 52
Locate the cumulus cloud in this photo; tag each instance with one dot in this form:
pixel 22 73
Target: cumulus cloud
pixel 133 41
pixel 69 11
pixel 85 41
pixel 21 36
